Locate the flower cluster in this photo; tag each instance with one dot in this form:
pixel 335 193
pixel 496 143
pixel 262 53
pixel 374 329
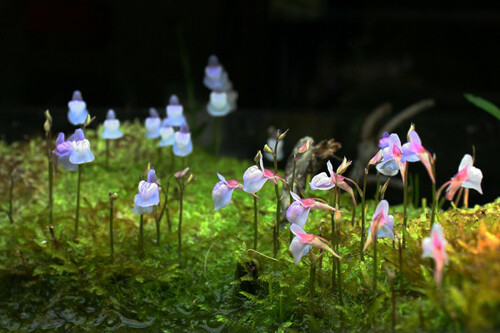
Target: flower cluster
pixel 223 97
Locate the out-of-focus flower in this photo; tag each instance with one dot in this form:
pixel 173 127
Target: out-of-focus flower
pixel 216 77
pixel 183 145
pixel 302 242
pixel 77 113
pixel 413 151
pixel 435 247
pixel 324 182
pixel 384 141
pixel 80 148
pixel 305 147
pixel 153 124
pixel 223 191
pixel 298 211
pixel 382 224
pixel 175 113
pixel 391 163
pixel 62 152
pixel 271 142
pixel 148 196
pixel 111 127
pixel 468 176
pixel 167 136
pixel 254 177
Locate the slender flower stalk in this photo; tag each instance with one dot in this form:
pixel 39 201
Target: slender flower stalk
pixel 333 235
pixel 50 166
pixel 363 214
pixel 112 198
pixel 312 277
pixel 338 218
pixel 217 135
pixel 184 178
pixel 107 152
pixel 255 223
pixel 141 236
pixel 157 222
pixel 11 197
pixel 405 203
pixel 374 288
pixel 278 201
pixel 77 216
pixel 434 193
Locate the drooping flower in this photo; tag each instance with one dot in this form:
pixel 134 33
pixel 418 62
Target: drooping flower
pixel 175 113
pixel 223 191
pixel 324 182
pixel 77 113
pixel 111 127
pixel 62 153
pixel 302 242
pixel 183 145
pixel 393 153
pixel 468 176
pixel 153 124
pixel 254 177
pixel 148 196
pixel 216 77
pixel 413 151
pixel 167 136
pixel 382 224
pixel 80 148
pixel 435 247
pixel 298 211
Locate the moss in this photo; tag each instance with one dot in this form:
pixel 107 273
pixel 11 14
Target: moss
pixel 75 286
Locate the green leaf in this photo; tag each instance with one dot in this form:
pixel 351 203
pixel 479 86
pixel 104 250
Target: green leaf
pixel 484 104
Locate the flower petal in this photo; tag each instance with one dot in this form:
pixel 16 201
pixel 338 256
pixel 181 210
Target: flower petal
pixel 297 214
pixel 298 249
pixel 253 179
pixel 321 182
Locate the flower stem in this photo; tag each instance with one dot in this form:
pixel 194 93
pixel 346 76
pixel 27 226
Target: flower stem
pixel 157 220
pixel 312 278
pixel 292 187
pixel 434 194
pixel 50 167
pixel 363 215
pixel 179 229
pixel 77 217
pixel 255 223
pixel 111 229
pixel 278 205
pixel 141 238
pixel 405 205
pixel 107 153
pixel 334 262
pixel 337 245
pixel 11 197
pixel 393 317
pixel 217 135
pixel 374 264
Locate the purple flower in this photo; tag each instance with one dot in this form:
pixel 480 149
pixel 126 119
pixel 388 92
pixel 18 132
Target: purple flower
pixel 468 176
pixel 175 113
pixel 435 247
pixel 62 152
pixel 152 124
pixel 167 136
pixel 148 196
pixel 325 182
pixel 77 113
pixel 298 211
pixel 382 224
pixel 183 145
pixel 223 191
pixel 111 127
pixel 384 141
pixel 216 77
pixel 74 151
pixel 413 151
pixel 302 242
pixel 254 178
pixel 391 162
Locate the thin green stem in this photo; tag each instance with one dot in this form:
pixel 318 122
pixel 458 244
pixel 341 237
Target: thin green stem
pixel 374 265
pixel 292 186
pixel 77 217
pixel 111 245
pixel 179 229
pixel 434 194
pixel 157 221
pixel 217 135
pixel 107 152
pixel 312 278
pixel 393 317
pixel 363 214
pixel 141 236
pixel 334 262
pixel 337 246
pixel 11 197
pixel 50 167
pixel 405 204
pixel 278 205
pixel 255 223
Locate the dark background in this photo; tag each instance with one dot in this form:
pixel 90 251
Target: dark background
pixel 317 67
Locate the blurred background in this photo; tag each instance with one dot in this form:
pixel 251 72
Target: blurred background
pixel 318 67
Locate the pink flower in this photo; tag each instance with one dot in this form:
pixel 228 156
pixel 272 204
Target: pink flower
pixel 382 224
pixel 223 191
pixel 302 242
pixel 254 178
pixel 392 162
pixel 298 211
pixel 468 176
pixel 413 151
pixel 435 247
pixel 324 182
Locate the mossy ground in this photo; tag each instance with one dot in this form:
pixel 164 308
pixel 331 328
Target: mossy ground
pixel 75 286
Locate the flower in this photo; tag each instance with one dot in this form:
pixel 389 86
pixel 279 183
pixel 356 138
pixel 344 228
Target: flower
pixel 80 148
pixel 384 141
pixel 382 224
pixel 413 151
pixel 298 211
pixel 216 77
pixel 223 191
pixel 153 123
pixel 468 176
pixel 183 145
pixel 303 241
pixel 62 152
pixel 254 178
pixel 77 113
pixel 148 196
pixel 167 136
pixel 111 127
pixel 391 162
pixel 324 182
pixel 435 247
pixel 305 146
pixel 175 113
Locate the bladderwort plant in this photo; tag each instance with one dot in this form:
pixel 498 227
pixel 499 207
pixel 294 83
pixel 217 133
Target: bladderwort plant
pixel 184 178
pixel 111 132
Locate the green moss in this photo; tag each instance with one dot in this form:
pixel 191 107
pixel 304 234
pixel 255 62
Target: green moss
pixel 77 287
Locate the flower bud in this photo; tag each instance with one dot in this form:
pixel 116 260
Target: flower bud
pixel 338 215
pixel 113 196
pixel 268 149
pixel 343 166
pixel 412 128
pixel 190 179
pixel 258 157
pixel 46 126
pixel 282 135
pixel 48 116
pixel 383 188
pixel 305 147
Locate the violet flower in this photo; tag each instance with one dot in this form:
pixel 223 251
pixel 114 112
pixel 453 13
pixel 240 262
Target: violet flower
pixel 175 113
pixel 254 177
pixel 148 196
pixel 223 191
pixel 413 151
pixel 80 148
pixel 382 224
pixel 384 141
pixel 167 136
pixel 111 127
pixel 302 242
pixel 393 153
pixel 216 77
pixel 152 124
pixel 183 145
pixel 468 176
pixel 62 152
pixel 325 182
pixel 435 247
pixel 77 113
pixel 298 211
